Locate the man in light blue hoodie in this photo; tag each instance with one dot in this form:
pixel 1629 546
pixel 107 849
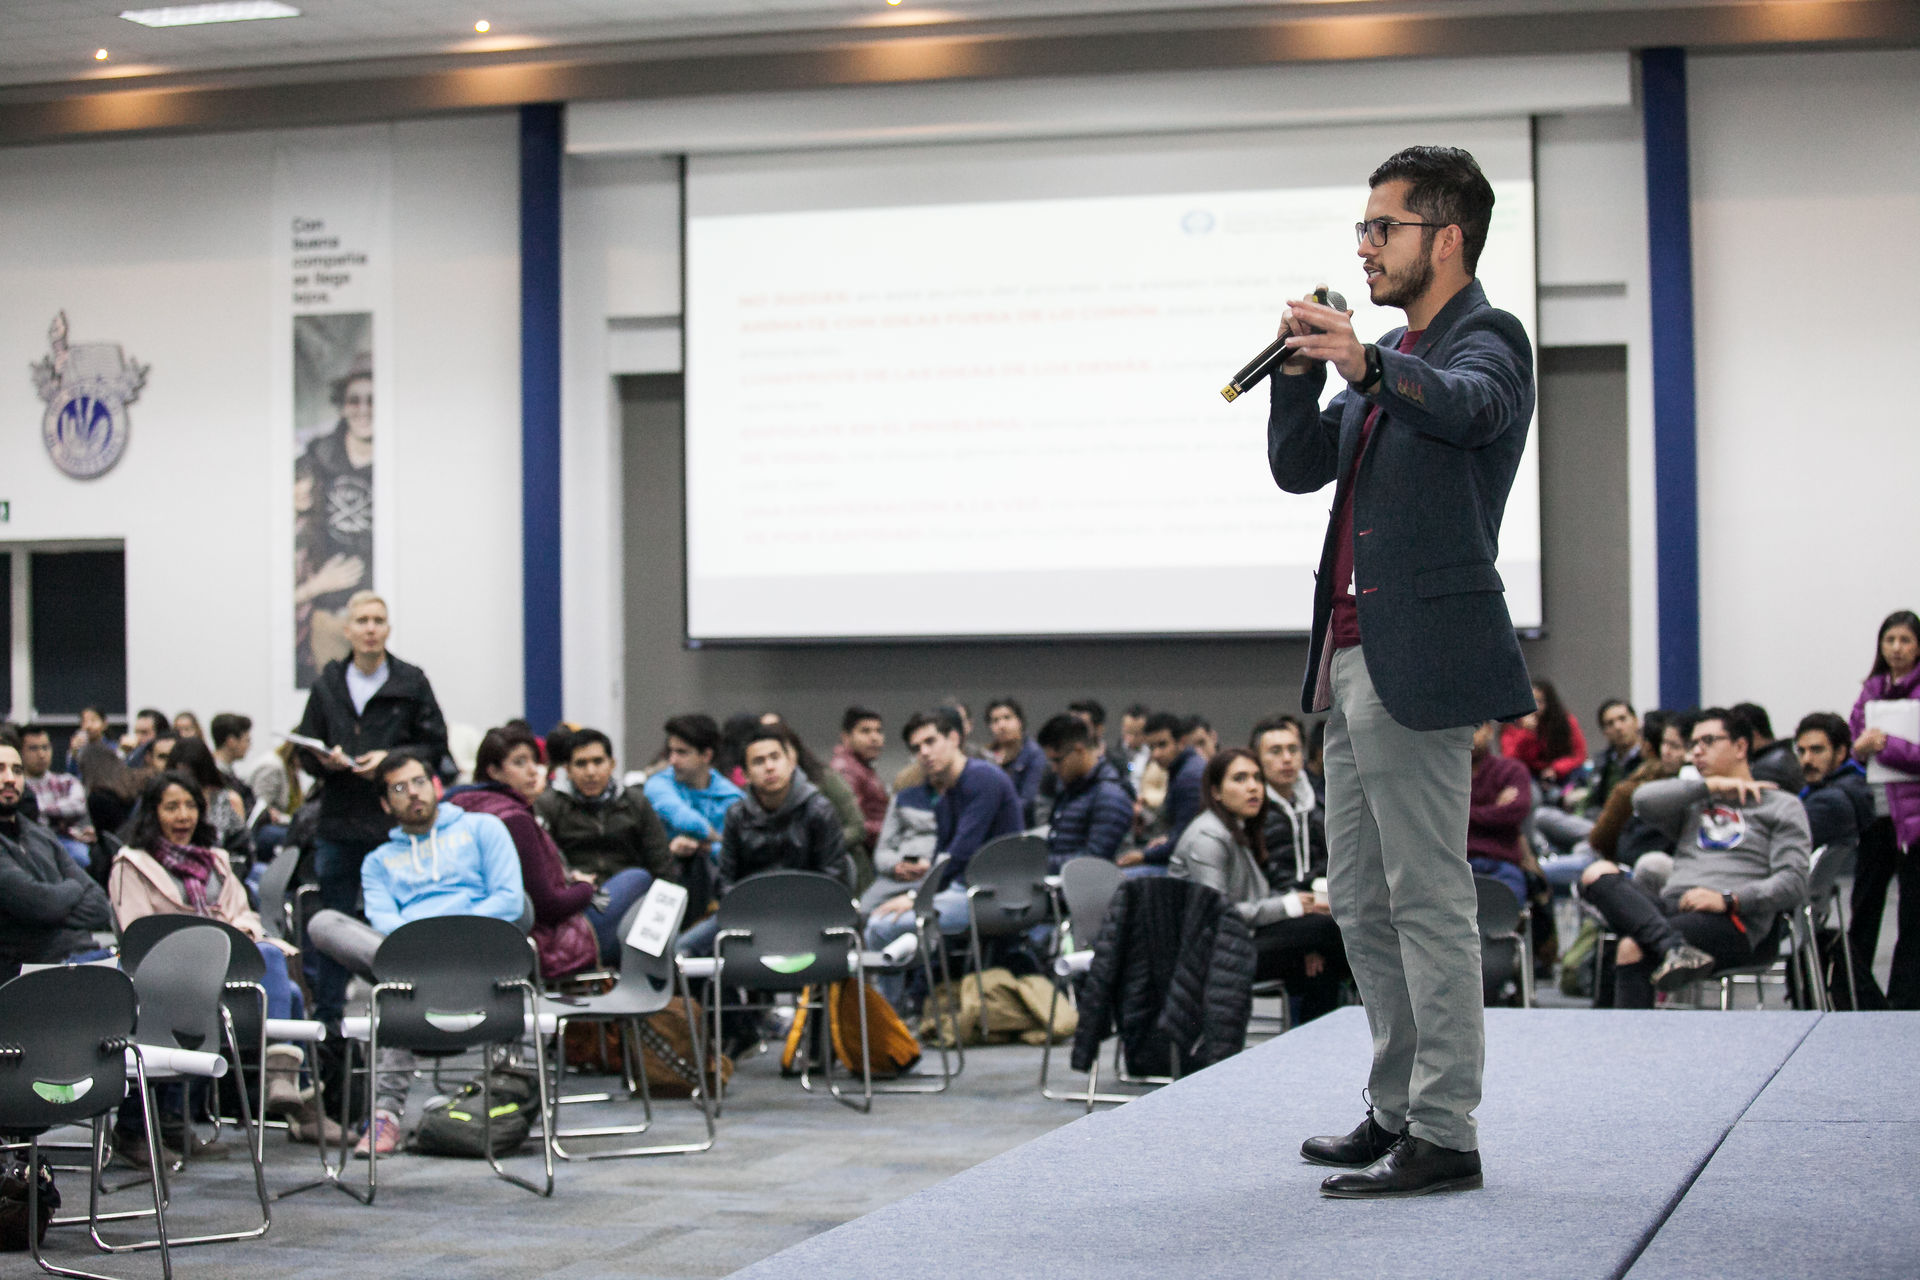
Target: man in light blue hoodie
pixel 439 861
pixel 691 797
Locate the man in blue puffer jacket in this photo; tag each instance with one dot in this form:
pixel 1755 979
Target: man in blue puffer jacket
pixel 1093 812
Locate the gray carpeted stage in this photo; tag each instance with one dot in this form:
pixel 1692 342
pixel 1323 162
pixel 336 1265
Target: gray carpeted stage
pixel 1650 1145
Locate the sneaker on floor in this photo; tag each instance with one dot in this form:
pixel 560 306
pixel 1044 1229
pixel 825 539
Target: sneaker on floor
pixel 383 1133
pixel 1680 966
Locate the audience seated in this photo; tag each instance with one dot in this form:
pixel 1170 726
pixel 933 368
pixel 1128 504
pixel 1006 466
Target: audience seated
pixel 576 919
pixel 1296 822
pixel 605 828
pixel 1184 766
pixel 49 907
pixel 59 797
pixel 148 724
pixel 1740 860
pixel 976 804
pixel 690 795
pixel 904 851
pixel 1009 747
pixel 1564 824
pixel 1548 742
pixel 1224 848
pixel 226 809
pixel 1092 812
pixel 440 860
pixel 828 782
pixel 861 738
pixel 1133 738
pixel 1616 833
pixel 1497 812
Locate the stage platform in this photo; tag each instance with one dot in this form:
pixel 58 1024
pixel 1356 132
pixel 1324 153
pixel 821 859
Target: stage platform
pixel 1660 1144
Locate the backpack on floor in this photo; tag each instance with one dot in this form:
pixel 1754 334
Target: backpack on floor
pixel 666 1046
pixel 455 1127
pixel 1576 963
pixel 13 1201
pixel 891 1045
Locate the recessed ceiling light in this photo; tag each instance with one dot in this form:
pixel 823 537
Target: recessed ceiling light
pixel 483 26
pixel 893 1
pixel 194 15
pixel 99 55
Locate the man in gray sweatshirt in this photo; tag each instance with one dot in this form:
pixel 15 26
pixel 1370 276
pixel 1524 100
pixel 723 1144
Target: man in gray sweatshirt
pixel 1740 861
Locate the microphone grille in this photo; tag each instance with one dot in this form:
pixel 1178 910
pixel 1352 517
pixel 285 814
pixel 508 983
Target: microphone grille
pixel 1335 301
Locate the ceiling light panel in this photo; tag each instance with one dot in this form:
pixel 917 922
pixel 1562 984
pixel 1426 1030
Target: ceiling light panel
pixel 198 15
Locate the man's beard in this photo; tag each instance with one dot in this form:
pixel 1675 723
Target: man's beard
pixel 1399 291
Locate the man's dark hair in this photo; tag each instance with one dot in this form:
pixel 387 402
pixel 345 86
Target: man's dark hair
pixel 1838 732
pixel 1271 723
pixel 1164 722
pixel 854 715
pixel 498 745
pixel 585 738
pixel 1019 712
pixel 1446 187
pixel 696 730
pixel 1653 728
pixel 160 718
pixel 1898 618
pixel 559 743
pixel 400 757
pixel 10 735
pixel 1195 721
pixel 95 708
pixel 146 823
pixel 1609 705
pixel 1757 717
pixel 227 726
pixel 943 718
pixel 1138 710
pixel 775 732
pixel 1731 719
pixel 1092 710
pixel 1064 732
pixel 25 731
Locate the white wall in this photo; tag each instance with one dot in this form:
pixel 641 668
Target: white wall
pixel 1806 199
pixel 167 247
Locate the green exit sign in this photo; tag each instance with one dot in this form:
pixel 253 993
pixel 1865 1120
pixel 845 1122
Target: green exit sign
pixel 6 511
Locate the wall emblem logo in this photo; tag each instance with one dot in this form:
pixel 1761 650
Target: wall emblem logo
pixel 87 387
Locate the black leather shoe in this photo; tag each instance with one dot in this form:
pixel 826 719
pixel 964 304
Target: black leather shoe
pixel 1413 1168
pixel 1354 1150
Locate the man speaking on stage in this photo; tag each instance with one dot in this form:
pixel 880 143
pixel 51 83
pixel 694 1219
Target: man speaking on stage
pixel 1412 645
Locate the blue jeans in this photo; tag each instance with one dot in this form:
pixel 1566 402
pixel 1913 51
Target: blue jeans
pixel 336 866
pixel 1563 869
pixel 283 998
pixel 77 850
pixel 623 889
pixel 1505 872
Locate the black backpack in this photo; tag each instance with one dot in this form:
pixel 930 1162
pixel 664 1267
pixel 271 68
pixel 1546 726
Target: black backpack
pixel 13 1201
pixel 454 1126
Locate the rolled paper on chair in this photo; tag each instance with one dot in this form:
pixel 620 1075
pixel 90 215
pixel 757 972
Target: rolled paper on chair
pixel 185 1062
pixel 296 1030
pixel 360 1028
pixel 698 966
pixel 902 949
pixel 1072 963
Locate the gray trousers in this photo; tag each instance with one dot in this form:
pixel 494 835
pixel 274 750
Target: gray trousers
pixel 352 942
pixel 1402 894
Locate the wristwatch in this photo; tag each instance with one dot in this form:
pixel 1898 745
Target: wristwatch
pixel 1732 904
pixel 1371 378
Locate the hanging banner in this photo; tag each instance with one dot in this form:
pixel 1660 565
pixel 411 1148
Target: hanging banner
pixel 333 197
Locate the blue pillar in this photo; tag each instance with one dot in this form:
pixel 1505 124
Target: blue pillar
pixel 540 150
pixel 1663 86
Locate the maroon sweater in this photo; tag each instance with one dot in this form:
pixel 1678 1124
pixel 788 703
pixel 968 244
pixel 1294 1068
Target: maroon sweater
pixel 542 868
pixel 1493 830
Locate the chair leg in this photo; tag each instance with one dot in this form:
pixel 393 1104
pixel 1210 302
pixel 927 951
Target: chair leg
pixel 1846 951
pixel 546 1104
pixel 98 1148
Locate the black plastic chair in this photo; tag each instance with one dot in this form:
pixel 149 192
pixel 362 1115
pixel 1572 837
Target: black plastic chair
pixel 645 985
pixel 65 1034
pixel 447 986
pixel 1007 895
pixel 929 943
pixel 1088 885
pixel 1505 955
pixel 786 931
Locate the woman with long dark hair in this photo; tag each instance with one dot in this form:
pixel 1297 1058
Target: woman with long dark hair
pixel 1890 846
pixel 1224 848
pixel 1549 741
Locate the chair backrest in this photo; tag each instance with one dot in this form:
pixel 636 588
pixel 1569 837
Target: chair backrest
pixel 181 980
pixel 1823 872
pixel 648 980
pixel 273 890
pixel 462 970
pixel 1089 885
pixel 800 928
pixel 63 1038
pixel 1009 876
pixel 1498 909
pixel 929 889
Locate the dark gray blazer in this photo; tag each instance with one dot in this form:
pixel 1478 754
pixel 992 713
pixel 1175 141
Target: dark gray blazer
pixel 1432 489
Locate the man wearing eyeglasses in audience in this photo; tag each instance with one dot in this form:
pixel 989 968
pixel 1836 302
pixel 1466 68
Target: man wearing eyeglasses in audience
pixel 1739 863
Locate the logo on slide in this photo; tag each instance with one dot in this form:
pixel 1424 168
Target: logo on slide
pixel 1197 222
pixel 87 387
pixel 1722 827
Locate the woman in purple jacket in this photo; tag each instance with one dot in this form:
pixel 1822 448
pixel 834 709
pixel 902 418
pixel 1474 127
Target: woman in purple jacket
pixel 1891 845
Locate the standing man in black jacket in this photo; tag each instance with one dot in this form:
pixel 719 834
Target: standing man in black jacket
pixel 362 708
pixel 1412 644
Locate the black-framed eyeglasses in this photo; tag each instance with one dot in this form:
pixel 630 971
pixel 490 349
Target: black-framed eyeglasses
pixel 1707 740
pixel 1376 230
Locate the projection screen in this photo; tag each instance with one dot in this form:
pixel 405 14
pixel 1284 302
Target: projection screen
pixel 972 391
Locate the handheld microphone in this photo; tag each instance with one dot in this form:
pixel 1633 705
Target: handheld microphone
pixel 1265 363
